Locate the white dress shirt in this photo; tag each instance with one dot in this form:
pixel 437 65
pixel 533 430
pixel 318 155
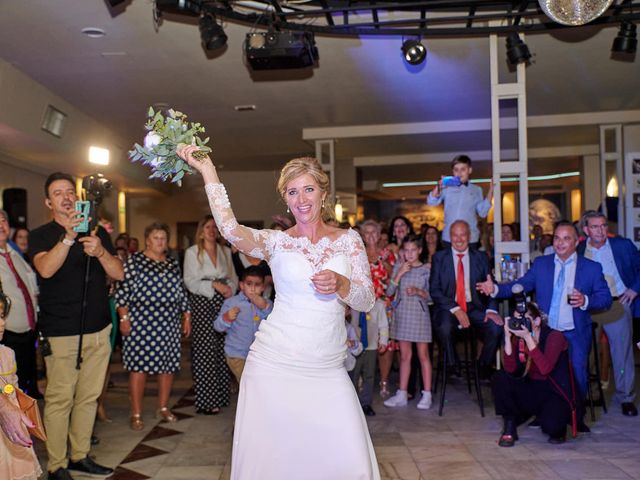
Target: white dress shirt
pixel 565 320
pixel 604 256
pixel 17 321
pixel 199 272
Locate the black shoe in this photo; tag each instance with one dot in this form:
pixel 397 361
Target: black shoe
pixel 60 474
pixel 557 440
pixel 368 411
pixel 94 440
pixel 89 467
pixel 582 427
pixel 629 409
pixel 535 423
pixel 205 411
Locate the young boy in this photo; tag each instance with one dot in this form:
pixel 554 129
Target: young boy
pixel 461 202
pixel 372 329
pixel 240 317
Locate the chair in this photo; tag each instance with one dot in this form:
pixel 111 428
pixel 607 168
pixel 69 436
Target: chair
pixel 594 376
pixel 469 365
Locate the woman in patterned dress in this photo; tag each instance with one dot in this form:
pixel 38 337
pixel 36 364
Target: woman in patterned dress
pixel 411 320
pixel 210 278
pixel 152 306
pixel 381 261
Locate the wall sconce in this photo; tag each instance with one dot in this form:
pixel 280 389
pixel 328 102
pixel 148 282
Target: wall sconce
pixel 612 187
pixel 338 210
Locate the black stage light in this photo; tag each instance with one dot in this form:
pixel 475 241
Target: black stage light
pixel 414 52
pixel 517 50
pixel 211 33
pixel 179 7
pixel 626 41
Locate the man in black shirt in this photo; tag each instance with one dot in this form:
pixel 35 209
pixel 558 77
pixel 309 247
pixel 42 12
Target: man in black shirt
pixel 60 259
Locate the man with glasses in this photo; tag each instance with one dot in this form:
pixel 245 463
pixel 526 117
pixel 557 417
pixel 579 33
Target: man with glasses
pixel 620 262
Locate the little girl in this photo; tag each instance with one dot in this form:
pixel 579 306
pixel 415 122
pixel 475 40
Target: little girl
pixel 412 323
pixel 16 462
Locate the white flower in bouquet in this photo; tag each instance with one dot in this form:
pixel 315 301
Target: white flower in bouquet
pixel 164 135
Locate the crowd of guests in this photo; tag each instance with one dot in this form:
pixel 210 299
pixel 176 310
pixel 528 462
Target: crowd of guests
pixel 428 285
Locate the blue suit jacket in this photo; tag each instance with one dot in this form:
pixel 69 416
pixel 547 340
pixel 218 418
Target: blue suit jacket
pixel 589 280
pixel 627 260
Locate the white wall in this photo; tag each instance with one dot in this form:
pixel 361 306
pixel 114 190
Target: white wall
pixel 252 194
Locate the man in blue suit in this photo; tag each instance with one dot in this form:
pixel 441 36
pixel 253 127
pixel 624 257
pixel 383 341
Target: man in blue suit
pixel 620 262
pixel 556 279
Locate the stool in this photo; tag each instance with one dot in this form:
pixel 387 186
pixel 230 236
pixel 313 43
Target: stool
pixel 594 375
pixel 469 365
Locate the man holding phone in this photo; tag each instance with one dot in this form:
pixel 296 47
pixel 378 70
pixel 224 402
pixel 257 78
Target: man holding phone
pixel 462 200
pixel 60 256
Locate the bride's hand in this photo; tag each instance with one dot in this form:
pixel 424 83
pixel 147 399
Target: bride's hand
pixel 328 282
pixel 185 152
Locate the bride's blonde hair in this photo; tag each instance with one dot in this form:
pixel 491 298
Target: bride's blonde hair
pixel 306 165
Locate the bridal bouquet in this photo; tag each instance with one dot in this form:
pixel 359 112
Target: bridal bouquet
pixel 164 135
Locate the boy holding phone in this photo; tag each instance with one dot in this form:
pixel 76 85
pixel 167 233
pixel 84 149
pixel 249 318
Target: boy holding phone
pixel 462 200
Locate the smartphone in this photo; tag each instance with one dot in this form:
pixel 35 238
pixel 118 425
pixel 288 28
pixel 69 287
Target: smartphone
pixel 451 181
pixel 84 207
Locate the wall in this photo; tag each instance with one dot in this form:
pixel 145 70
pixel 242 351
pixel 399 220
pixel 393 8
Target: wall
pixel 252 194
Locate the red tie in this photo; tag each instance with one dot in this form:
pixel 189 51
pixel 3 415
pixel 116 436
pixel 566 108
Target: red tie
pixel 31 318
pixel 461 297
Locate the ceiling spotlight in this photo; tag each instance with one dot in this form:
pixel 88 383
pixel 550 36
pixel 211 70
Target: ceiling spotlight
pixel 414 52
pixel 211 33
pixel 517 50
pixel 626 41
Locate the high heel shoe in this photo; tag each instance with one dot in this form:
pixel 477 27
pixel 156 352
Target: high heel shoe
pixel 384 389
pixel 135 422
pixel 166 415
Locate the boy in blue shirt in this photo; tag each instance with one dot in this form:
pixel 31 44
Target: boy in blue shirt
pixel 461 202
pixel 240 317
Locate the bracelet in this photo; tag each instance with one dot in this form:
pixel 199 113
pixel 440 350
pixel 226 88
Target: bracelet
pixel 125 318
pixel 67 242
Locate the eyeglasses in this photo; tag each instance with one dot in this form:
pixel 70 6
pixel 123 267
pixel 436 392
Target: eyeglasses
pixel 598 227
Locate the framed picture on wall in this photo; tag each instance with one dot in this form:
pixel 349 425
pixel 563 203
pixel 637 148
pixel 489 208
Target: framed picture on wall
pixel 632 196
pixel 635 166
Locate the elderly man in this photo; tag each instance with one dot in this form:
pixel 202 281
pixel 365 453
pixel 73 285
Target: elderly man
pixel 60 256
pixel 567 287
pixel 18 282
pixel 454 274
pixel 620 262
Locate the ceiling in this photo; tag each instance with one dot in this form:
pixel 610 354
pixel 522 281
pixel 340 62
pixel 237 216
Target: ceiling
pixel 359 81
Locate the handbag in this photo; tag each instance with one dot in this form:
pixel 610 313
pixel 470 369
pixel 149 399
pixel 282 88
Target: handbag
pixel 29 407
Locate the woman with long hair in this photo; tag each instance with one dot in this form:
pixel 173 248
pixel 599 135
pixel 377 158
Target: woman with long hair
pixel 210 278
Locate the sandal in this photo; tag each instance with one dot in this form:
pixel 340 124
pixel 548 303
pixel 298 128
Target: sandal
pixel 507 440
pixel 166 415
pixel 135 422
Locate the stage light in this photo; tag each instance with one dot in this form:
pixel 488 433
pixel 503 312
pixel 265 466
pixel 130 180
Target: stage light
pixel 517 50
pixel 414 52
pixel 211 33
pixel 626 41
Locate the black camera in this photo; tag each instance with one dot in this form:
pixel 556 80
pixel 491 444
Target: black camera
pixel 95 186
pixel 518 319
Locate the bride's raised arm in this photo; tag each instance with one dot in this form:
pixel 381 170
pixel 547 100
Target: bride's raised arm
pixel 250 241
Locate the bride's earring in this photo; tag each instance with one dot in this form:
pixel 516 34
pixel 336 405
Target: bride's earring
pixel 323 203
pixel 288 211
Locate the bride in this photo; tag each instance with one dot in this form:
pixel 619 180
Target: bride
pixel 298 416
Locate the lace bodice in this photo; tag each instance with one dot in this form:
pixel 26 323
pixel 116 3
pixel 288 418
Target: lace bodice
pixel 264 244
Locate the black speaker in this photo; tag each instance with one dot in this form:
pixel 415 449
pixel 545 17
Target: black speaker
pixel 14 202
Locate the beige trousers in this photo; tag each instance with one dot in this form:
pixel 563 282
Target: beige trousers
pixel 71 396
pixel 236 365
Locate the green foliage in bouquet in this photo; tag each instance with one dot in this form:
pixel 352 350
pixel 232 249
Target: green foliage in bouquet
pixel 164 135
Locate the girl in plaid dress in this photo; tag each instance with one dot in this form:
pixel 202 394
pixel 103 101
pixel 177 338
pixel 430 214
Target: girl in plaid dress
pixel 411 320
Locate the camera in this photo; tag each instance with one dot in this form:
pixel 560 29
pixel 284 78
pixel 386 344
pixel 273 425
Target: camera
pixel 518 318
pixel 95 186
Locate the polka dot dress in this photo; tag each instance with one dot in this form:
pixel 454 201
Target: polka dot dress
pixel 155 295
pixel 210 371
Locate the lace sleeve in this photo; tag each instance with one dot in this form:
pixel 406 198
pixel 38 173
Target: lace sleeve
pixel 361 295
pixel 249 241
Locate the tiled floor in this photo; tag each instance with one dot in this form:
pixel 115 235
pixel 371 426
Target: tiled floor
pixel 410 444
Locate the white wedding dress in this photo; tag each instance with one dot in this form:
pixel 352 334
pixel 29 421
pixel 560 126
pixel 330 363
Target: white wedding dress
pixel 298 415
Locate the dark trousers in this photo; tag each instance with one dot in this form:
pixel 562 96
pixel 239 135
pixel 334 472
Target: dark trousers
pixel 24 346
pixel 518 399
pixel 446 324
pixel 365 367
